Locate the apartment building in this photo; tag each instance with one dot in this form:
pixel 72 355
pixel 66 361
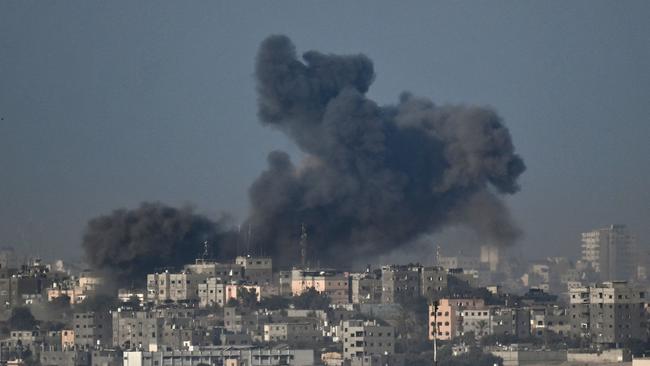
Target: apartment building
pixel 400 283
pixel 609 313
pixel 446 322
pixel 258 270
pixel 365 288
pixel 214 292
pixel 510 321
pixel 433 280
pixel 300 334
pixel 165 287
pixel 332 283
pixel 222 355
pixel 610 252
pixel 366 338
pixel 92 329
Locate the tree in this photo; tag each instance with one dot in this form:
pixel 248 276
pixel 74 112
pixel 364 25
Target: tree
pixel 311 300
pixel 275 302
pixel 98 303
pixel 247 297
pixel 22 319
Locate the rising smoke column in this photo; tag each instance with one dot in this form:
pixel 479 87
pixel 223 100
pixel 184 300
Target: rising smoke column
pixel 374 177
pixel 128 244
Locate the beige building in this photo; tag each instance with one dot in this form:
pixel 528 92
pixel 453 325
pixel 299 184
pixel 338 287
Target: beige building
pixel 332 283
pixel 257 270
pixel 293 334
pixel 165 286
pixel 214 292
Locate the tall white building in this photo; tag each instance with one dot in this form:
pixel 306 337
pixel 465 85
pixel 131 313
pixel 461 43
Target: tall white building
pixel 610 252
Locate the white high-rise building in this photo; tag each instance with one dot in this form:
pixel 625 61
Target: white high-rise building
pixel 610 252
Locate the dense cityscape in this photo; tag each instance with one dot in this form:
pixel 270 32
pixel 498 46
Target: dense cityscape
pixel 361 183
pixel 481 308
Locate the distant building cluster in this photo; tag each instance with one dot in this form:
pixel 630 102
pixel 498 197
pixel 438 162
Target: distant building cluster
pixel 245 312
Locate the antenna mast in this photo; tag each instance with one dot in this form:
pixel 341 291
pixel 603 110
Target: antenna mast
pixel 206 251
pixel 303 246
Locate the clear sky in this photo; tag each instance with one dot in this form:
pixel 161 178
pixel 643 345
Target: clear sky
pixel 104 104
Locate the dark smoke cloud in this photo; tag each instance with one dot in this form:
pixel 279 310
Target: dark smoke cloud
pixel 128 244
pixel 375 177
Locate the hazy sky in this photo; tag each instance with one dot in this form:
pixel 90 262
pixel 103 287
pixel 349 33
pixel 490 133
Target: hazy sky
pixel 106 104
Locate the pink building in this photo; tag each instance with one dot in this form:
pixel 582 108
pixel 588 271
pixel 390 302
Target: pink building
pixel 334 284
pixel 448 320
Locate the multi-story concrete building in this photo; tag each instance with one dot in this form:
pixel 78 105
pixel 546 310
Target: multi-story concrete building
pixel 433 280
pixel 215 292
pixel 225 271
pixel 258 270
pixel 283 281
pixel 92 329
pixel 510 321
pixel 222 355
pixel 365 288
pixel 165 286
pixel 610 252
pixel 475 321
pixel 137 330
pixel 611 313
pixel 303 334
pixel 400 283
pixel 447 321
pixel 332 283
pixel 549 318
pixel 460 261
pixel 244 322
pixel 490 257
pixel 366 338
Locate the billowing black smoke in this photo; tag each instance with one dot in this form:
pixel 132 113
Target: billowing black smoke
pixel 375 177
pixel 128 244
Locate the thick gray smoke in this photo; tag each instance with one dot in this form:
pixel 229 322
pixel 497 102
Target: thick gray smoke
pixel 375 177
pixel 131 243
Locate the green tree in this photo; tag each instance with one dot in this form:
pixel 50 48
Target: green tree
pixel 311 300
pixel 247 298
pixel 275 302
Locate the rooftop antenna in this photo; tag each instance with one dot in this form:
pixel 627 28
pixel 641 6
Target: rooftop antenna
pixel 206 252
pixel 438 255
pixel 303 245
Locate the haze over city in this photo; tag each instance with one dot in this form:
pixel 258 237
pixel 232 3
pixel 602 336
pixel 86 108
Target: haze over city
pixel 106 106
pixel 364 183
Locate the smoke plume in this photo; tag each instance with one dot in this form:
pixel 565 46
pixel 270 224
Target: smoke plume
pixel 374 177
pixel 128 244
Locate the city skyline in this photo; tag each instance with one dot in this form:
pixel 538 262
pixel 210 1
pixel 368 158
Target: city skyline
pixel 158 110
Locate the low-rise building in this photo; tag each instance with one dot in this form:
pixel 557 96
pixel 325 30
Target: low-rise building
pixel 257 270
pixel 332 283
pixel 303 334
pixel 222 355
